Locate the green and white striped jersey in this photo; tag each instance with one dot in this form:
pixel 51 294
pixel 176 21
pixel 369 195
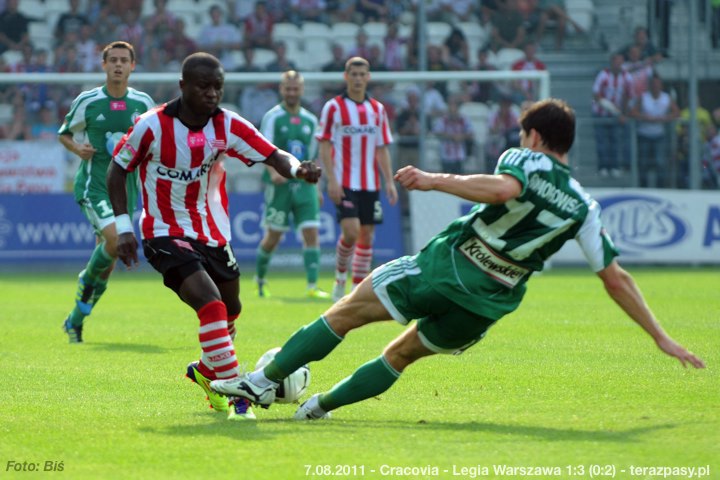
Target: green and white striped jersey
pixel 293 133
pixel 101 120
pixel 507 242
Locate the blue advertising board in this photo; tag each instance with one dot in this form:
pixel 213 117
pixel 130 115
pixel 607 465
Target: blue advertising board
pixel 51 228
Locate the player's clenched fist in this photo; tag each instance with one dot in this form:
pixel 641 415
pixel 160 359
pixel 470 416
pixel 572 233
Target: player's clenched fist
pixel 309 171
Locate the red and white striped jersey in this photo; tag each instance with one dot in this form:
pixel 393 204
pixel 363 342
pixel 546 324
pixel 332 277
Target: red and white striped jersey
pixel 355 130
pixel 181 171
pixel 613 87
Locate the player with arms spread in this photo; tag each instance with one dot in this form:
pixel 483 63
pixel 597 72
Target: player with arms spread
pixel 97 120
pixel 179 150
pixel 471 274
pixel 292 128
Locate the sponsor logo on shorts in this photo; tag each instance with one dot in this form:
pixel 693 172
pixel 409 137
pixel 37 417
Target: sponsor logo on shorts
pixel 183 244
pixel 489 262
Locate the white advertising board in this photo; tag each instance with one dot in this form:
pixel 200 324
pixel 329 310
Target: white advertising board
pixel 649 226
pixel 31 167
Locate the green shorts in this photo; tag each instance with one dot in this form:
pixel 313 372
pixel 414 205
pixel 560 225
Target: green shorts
pixel 97 209
pixel 443 326
pixel 294 199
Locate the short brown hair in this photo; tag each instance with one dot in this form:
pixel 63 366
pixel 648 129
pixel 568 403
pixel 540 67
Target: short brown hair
pixel 118 44
pixel 356 62
pixel 554 120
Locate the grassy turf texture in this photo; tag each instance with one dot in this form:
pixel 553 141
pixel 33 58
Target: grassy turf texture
pixel 566 381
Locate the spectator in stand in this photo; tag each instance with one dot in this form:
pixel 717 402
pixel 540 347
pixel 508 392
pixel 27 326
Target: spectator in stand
pixel 105 25
pixel 259 27
pixel 455 50
pixel 177 44
pixel 459 10
pixel 35 94
pixel 433 101
pixel 373 11
pixel 281 62
pixel 407 126
pixel 455 133
pixel 17 128
pixel 239 11
pixel 503 129
pixel 555 10
pixel 88 50
pixel 132 32
pixel 337 64
pixel 342 11
pixel 482 91
pixel 488 8
pixel 69 62
pixel 308 11
pixel 375 58
pixel 527 89
pixel 639 69
pixel 13 27
pixel 249 65
pixel 436 63
pixel 612 92
pixel 654 110
pixel 220 38
pixel 393 51
pixel 648 51
pixel 256 99
pixel 706 132
pixel 711 164
pixel 46 125
pixel 160 23
pixel 508 30
pixel 71 21
pixel 361 48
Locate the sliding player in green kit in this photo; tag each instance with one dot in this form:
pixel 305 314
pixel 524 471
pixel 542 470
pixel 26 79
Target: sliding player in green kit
pixel 292 128
pixel 98 118
pixel 468 276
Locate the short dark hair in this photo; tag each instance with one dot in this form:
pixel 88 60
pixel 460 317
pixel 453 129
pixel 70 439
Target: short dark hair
pixel 199 59
pixel 356 62
pixel 554 120
pixel 118 44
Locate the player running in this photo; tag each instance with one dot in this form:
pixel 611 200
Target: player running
pixel 292 128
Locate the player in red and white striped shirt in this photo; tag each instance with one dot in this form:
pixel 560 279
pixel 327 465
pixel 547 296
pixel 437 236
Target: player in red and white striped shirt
pixel 179 149
pixel 354 133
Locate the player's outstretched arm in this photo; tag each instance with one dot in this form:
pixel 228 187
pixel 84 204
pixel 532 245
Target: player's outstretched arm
pixel 622 288
pixel 290 167
pixel 479 188
pixel 127 243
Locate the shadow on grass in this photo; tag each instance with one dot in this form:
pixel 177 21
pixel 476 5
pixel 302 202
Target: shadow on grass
pixel 127 347
pixel 272 428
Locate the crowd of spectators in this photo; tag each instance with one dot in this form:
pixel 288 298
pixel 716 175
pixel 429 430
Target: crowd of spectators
pixel 235 31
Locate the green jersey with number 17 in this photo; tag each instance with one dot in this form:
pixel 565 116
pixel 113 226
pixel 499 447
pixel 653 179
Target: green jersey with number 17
pixel 294 133
pixel 101 120
pixel 483 259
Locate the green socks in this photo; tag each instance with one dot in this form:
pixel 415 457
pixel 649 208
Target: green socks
pixel 311 260
pixel 369 380
pixel 261 263
pixel 99 262
pixel 312 342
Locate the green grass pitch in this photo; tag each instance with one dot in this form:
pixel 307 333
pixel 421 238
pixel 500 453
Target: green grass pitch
pixel 567 381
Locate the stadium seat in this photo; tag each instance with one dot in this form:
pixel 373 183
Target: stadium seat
pixel 263 56
pixel 12 57
pixel 315 30
pixel 507 56
pixel 286 32
pixel 345 29
pixel 6 113
pixel 376 31
pixel 477 113
pixel 317 53
pixel 41 35
pixel 582 11
pixel 437 32
pixel 31 8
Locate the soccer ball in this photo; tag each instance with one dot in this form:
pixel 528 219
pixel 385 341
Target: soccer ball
pixel 293 386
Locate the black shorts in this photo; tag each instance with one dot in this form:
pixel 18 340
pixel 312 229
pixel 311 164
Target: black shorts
pixel 178 258
pixel 361 204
